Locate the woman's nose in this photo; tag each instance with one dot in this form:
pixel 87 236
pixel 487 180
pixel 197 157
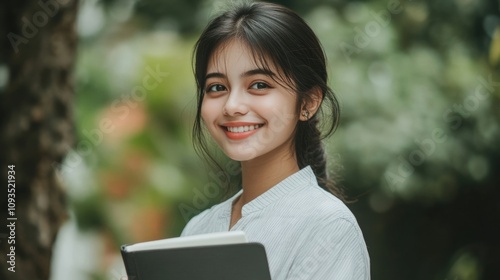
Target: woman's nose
pixel 236 103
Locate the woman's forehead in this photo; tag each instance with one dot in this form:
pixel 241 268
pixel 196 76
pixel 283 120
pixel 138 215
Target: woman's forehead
pixel 237 55
pixel 237 51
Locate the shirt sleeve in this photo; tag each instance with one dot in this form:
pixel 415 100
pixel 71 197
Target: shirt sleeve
pixel 334 249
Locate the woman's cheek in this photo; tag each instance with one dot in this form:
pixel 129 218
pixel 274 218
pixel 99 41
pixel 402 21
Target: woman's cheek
pixel 210 112
pixel 206 110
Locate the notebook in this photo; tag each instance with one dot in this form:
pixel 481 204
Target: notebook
pixel 212 256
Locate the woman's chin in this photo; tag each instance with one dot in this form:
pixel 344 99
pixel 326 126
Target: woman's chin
pixel 241 155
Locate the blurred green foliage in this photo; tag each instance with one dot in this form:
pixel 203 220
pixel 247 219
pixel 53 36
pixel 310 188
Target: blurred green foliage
pixel 417 145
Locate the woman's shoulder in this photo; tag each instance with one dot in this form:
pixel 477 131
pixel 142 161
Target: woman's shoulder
pixel 319 212
pixel 321 204
pixel 329 216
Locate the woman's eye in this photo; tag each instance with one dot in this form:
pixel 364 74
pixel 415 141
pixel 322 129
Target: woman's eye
pixel 215 88
pixel 259 85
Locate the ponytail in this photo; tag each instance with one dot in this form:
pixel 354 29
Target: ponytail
pixel 309 147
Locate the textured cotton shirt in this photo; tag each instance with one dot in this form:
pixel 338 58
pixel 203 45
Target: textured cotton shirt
pixel 307 232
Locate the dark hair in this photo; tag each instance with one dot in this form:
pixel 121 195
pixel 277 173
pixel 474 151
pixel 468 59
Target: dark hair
pixel 276 35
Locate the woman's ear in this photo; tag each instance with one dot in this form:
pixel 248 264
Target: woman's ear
pixel 311 103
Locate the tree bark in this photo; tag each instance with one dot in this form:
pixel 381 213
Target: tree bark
pixel 36 126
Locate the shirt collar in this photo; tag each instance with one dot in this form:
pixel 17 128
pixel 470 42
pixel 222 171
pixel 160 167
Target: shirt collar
pixel 299 179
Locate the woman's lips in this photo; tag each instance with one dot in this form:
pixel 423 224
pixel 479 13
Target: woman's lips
pixel 240 130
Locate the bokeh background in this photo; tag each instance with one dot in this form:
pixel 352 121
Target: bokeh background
pixel 417 149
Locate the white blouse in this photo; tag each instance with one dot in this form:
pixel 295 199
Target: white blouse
pixel 308 233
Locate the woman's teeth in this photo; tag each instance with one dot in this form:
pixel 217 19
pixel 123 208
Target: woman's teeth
pixel 246 128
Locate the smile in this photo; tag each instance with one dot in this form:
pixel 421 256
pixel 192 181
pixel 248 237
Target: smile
pixel 240 129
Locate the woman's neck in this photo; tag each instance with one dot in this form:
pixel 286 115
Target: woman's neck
pixel 262 173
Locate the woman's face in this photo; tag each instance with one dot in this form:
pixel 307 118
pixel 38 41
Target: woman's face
pixel 248 114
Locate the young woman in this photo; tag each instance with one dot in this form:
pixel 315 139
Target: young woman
pixel 262 81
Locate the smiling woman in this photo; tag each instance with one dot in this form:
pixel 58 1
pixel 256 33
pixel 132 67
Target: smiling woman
pixel 240 112
pixel 262 83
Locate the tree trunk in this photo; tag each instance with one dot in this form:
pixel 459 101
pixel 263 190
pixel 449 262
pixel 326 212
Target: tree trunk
pixel 36 126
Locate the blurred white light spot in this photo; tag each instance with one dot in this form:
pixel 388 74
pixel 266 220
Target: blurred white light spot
pixel 490 24
pixel 489 130
pixel 91 18
pixel 123 62
pixel 380 74
pixel 68 265
pixel 76 175
pixel 478 167
pixel 323 19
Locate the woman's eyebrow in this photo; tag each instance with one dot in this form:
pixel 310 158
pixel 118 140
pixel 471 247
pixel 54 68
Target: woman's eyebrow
pixel 214 75
pixel 258 71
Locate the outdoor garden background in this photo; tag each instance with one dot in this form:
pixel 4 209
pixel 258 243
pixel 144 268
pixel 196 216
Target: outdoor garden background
pixel 417 148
